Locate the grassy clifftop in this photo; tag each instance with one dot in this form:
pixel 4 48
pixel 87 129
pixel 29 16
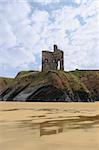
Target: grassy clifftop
pixel 53 86
pixel 4 82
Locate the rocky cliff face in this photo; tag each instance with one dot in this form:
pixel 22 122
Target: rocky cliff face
pixel 4 82
pixel 73 86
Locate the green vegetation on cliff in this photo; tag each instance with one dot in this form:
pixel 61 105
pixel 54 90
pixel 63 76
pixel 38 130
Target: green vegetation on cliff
pixel 53 86
pixel 4 82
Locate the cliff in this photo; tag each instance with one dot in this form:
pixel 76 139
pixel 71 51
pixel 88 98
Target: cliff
pixel 76 86
pixel 4 82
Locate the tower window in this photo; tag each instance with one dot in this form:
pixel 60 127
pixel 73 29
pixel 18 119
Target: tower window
pixel 58 67
pixel 46 60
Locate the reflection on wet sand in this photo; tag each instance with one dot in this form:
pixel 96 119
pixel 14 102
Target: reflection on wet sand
pixel 41 126
pixel 57 126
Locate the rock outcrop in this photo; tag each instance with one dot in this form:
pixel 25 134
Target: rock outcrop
pixel 73 86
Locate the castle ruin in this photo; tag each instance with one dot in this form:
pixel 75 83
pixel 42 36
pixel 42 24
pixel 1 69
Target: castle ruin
pixel 53 60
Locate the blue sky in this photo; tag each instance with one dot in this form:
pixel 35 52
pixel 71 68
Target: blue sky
pixel 29 26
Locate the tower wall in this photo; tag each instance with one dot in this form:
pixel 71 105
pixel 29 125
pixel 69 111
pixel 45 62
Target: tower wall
pixel 51 60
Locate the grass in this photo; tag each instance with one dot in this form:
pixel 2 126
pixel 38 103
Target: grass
pixel 71 80
pixel 7 80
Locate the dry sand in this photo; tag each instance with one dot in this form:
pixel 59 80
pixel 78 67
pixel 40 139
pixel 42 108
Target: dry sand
pixel 49 126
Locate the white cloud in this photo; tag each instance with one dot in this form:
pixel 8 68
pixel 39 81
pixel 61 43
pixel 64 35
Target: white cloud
pixel 85 47
pixel 83 50
pixel 77 1
pixel 25 33
pixel 40 16
pixel 46 1
pixel 7 38
pixel 14 31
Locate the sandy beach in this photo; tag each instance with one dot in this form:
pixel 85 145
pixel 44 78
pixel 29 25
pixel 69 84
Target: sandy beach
pixel 49 126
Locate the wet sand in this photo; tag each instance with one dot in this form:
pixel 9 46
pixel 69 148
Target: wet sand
pixel 49 126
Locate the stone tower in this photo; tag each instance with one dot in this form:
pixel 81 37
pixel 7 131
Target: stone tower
pixel 53 60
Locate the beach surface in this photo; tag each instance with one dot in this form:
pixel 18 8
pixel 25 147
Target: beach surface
pixel 49 126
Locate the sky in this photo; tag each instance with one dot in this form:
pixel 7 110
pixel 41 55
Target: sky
pixel 29 26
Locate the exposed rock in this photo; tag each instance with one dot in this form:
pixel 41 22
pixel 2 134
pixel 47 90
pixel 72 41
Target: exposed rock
pixel 73 86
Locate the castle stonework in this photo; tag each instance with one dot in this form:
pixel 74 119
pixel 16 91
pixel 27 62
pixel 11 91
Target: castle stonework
pixel 53 60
